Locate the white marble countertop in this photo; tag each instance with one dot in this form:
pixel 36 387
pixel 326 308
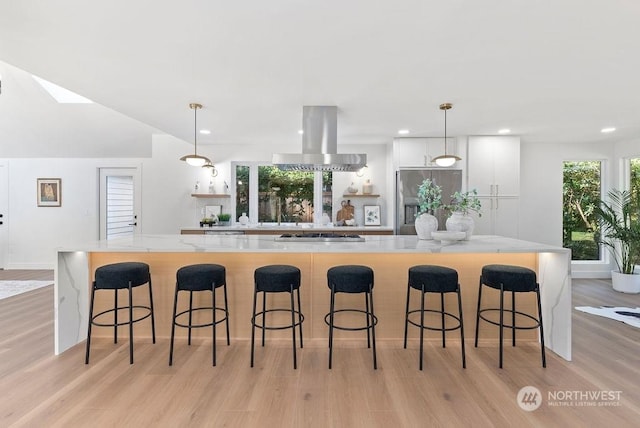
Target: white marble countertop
pixel 290 228
pixel 267 243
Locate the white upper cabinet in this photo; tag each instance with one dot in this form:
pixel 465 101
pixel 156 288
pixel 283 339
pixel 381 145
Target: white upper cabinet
pixel 494 165
pixel 418 152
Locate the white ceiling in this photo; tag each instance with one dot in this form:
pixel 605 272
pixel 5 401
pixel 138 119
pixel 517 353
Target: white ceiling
pixel 552 71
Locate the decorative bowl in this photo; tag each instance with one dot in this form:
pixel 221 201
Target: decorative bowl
pixel 448 237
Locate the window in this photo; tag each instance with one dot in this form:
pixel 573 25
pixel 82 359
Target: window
pixel 274 196
pixel 242 190
pixel 634 179
pixel 581 193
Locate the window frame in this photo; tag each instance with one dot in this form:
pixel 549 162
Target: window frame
pixel 253 193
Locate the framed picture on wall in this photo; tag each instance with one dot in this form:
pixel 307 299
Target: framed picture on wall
pixel 49 192
pixel 372 215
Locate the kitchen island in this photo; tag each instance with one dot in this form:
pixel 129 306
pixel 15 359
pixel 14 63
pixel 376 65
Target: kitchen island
pixel 389 257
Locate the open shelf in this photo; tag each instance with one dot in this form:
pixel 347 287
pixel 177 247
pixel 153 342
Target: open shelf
pixel 210 195
pixel 360 195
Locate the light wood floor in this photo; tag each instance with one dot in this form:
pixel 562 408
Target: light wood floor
pixel 40 389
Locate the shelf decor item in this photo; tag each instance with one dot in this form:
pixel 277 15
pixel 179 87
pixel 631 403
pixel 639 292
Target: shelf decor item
pixel 224 219
pixel 461 204
pixel 620 233
pixel 372 215
pixel 49 192
pixel 367 188
pixel 429 200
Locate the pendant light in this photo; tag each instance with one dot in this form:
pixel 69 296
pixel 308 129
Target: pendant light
pixel 212 167
pixel 195 159
pixel 445 159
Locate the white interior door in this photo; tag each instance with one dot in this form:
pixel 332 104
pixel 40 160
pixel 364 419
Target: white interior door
pixel 4 208
pixel 120 201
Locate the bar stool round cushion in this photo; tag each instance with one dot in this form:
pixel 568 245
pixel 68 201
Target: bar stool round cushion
pixel 350 278
pixel 277 278
pixel 436 279
pixel 118 275
pixel 512 278
pixel 200 277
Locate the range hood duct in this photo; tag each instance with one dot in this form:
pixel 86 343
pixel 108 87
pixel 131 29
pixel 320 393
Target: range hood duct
pixel 319 145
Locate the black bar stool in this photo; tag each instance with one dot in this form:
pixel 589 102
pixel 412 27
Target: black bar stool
pixel 277 279
pixel 200 277
pixel 352 279
pixel 515 279
pixel 117 276
pixel 434 279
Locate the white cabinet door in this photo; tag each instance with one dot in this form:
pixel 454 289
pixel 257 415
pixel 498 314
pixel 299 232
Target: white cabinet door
pixel 484 223
pixel 481 165
pixel 505 217
pixel 506 156
pixel 410 152
pixel 499 217
pixel 419 152
pixel 494 165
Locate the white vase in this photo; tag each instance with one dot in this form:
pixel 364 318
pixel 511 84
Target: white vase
pixel 459 222
pixel 367 188
pixel 625 283
pixel 243 219
pixel 425 224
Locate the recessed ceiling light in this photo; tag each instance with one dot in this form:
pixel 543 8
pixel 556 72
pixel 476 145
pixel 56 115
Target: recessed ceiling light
pixel 300 131
pixel 205 131
pixel 403 131
pixel 504 131
pixel 607 130
pixel 60 94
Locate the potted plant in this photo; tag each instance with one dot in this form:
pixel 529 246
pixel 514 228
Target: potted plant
pixel 224 219
pixel 207 222
pixel 462 203
pixel 429 200
pixel 620 233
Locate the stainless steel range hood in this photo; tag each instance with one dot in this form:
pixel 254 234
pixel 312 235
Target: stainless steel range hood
pixel 319 145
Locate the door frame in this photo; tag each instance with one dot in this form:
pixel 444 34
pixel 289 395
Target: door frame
pixel 4 210
pixel 103 173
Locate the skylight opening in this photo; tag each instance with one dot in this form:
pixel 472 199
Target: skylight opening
pixel 60 94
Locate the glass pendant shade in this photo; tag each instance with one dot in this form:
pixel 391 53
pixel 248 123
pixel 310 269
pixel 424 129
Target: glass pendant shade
pixel 446 160
pixel 194 160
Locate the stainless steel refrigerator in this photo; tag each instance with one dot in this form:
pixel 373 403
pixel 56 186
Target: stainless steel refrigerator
pixel 407 182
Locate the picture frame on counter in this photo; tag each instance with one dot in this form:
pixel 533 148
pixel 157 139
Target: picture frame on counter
pixel 49 192
pixel 372 215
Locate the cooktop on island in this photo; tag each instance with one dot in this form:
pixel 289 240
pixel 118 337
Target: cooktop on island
pixel 319 237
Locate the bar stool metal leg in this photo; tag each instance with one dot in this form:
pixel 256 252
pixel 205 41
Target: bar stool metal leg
pixel 93 293
pixel 299 317
pixel 226 309
pixel 331 312
pixel 464 359
pixel 153 320
pixel 253 324
pixel 213 301
pixel 173 324
pixel 293 329
pixel 422 325
pixel 373 328
pixel 501 320
pixel 544 359
pixel 478 312
pixel 130 324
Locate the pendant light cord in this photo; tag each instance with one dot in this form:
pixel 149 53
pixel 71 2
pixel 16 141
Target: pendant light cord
pixel 195 131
